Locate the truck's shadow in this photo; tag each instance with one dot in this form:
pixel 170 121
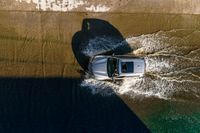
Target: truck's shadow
pixel 97 37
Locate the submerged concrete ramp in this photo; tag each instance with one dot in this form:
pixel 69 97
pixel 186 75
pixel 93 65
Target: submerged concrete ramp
pixel 35 38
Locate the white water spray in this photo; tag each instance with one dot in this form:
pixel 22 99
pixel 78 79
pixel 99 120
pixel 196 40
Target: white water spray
pixel 172 66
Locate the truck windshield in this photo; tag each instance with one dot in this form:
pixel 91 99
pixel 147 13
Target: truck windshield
pixel 112 68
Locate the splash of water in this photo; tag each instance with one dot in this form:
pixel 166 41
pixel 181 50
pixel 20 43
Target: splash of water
pixel 101 44
pixel 103 88
pixel 172 66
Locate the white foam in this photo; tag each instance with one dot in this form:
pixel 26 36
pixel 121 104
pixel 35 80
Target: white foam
pixel 130 86
pixel 56 5
pixel 100 87
pixel 101 44
pixel 66 5
pixel 97 8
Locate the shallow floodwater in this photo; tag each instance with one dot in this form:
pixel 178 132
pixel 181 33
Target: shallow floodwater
pixel 166 97
pixel 41 89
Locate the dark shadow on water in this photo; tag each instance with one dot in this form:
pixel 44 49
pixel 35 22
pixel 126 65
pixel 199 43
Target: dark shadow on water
pixel 97 37
pixel 60 105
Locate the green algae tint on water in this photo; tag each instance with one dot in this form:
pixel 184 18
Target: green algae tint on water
pixel 167 116
pixel 175 117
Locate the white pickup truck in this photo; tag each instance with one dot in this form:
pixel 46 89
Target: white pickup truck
pixel 103 67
